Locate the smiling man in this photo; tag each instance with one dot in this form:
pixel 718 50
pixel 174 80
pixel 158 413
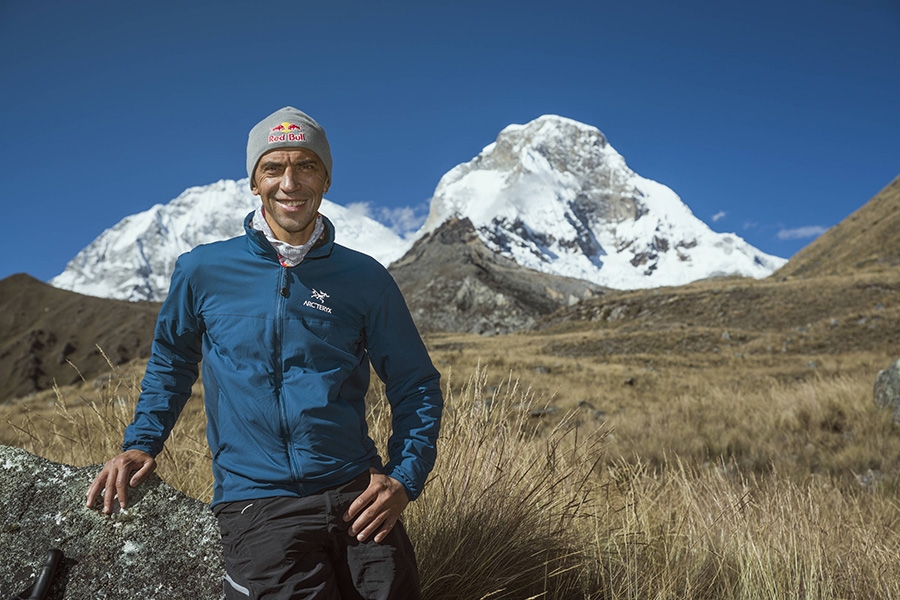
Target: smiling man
pixel 287 323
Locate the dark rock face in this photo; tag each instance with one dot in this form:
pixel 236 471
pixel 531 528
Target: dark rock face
pixel 163 547
pixel 453 282
pixel 887 390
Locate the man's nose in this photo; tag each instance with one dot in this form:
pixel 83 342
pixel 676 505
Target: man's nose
pixel 290 180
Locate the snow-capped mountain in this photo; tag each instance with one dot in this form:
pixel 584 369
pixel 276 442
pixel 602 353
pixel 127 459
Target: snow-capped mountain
pixel 552 195
pixel 555 196
pixel 134 259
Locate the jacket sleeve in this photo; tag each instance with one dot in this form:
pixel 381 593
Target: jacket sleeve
pixel 171 371
pixel 412 385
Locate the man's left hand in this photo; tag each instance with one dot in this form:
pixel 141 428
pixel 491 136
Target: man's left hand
pixel 377 509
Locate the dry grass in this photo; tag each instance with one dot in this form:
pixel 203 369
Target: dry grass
pixel 706 477
pixel 84 424
pixel 499 517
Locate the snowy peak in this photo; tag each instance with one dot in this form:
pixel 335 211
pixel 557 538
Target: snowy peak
pixel 553 195
pixel 134 259
pixel 548 154
pixel 556 197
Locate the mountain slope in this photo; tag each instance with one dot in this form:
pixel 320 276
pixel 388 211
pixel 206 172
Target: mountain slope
pixel 453 282
pixel 134 259
pixel 555 196
pixel 868 239
pixel 44 328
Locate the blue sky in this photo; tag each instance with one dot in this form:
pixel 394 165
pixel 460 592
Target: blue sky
pixel 771 119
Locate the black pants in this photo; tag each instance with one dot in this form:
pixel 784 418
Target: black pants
pixel 299 548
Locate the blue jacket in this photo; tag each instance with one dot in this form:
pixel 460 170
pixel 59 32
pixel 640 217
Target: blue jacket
pixel 286 355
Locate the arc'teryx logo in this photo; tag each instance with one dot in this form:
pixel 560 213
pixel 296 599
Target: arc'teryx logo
pixel 289 132
pixel 320 297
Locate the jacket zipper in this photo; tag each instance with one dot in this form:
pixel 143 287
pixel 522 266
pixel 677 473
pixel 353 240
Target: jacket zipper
pixel 279 371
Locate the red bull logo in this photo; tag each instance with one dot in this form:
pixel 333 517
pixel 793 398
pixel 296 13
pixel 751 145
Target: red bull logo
pixel 289 133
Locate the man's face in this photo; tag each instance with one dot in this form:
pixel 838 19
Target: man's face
pixel 290 182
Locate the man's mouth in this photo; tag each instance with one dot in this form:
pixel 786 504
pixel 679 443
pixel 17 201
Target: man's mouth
pixel 291 203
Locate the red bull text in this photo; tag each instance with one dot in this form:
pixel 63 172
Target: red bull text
pixel 287 137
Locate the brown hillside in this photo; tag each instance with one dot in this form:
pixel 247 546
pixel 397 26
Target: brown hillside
pixel 867 240
pixel 45 328
pixel 817 315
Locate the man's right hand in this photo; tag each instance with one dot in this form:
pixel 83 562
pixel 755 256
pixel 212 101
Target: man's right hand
pixel 128 469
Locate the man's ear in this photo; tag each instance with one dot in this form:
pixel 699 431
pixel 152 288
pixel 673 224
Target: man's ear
pixel 327 185
pixel 253 189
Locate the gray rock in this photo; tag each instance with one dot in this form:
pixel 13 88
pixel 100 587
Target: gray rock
pixel 887 390
pixel 164 546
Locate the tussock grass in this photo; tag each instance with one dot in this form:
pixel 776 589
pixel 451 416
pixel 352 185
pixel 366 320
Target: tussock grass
pixel 498 518
pixel 698 482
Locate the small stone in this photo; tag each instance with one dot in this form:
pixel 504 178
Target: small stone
pixel 887 390
pixel 546 411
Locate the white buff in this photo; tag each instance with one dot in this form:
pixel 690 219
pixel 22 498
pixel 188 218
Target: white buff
pixel 289 256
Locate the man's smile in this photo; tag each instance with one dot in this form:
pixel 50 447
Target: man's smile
pixel 291 203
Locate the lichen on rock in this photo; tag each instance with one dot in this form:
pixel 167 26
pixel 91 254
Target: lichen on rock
pixel 164 546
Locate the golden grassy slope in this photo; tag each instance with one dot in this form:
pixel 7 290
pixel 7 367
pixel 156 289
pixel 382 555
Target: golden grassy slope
pixel 866 240
pixel 693 486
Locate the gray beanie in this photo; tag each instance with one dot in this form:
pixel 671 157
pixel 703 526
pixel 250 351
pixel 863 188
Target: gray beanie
pixel 287 128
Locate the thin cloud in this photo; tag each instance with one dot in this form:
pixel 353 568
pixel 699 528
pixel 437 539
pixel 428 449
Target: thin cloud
pixel 718 216
pixel 800 233
pixel 403 220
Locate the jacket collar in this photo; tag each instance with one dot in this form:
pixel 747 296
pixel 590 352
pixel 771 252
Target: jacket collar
pixel 260 246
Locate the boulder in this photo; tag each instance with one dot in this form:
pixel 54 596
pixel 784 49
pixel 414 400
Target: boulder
pixel 164 546
pixel 887 390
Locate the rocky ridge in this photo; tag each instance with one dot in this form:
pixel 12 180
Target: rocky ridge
pixel 453 282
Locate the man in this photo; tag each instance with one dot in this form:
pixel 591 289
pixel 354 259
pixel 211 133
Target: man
pixel 287 323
